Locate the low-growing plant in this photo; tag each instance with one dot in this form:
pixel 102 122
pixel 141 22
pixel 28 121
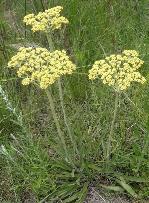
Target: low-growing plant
pixel 86 152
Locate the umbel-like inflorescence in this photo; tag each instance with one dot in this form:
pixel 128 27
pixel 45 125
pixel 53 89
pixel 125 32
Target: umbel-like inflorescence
pixel 38 65
pixel 46 21
pixel 118 70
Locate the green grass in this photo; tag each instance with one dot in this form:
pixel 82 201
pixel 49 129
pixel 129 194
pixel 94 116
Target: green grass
pixel 32 165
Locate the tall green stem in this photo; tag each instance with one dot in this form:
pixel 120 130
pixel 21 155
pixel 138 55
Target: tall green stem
pixel 112 126
pixel 65 117
pixel 52 106
pixel 50 42
pixel 52 48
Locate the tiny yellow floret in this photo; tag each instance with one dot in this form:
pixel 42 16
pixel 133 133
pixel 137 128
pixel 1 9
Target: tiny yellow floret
pixel 46 21
pixel 118 70
pixel 38 65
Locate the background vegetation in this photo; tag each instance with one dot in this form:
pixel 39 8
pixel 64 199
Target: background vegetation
pixel 28 167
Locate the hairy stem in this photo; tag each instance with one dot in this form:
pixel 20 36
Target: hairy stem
pixel 65 118
pixel 50 42
pixel 112 126
pixel 62 140
pixel 52 48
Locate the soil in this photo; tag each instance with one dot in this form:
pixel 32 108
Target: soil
pixel 96 196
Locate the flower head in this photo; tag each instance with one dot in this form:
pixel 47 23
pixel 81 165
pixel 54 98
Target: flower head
pixel 118 70
pixel 46 21
pixel 38 65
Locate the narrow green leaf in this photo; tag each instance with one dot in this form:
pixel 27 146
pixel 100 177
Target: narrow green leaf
pixel 72 198
pixel 63 191
pixel 112 187
pixel 127 187
pixel 136 179
pixel 63 166
pixel 83 193
pixel 67 175
pixel 94 167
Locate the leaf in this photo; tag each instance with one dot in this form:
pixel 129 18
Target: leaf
pixel 83 193
pixel 72 198
pixel 62 165
pixel 66 188
pixel 127 187
pixel 94 167
pixel 131 178
pixel 64 191
pixel 112 187
pixel 15 122
pixel 61 192
pixel 67 175
pixel 102 170
pixel 137 179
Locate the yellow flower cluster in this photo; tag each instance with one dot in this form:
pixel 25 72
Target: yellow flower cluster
pixel 46 21
pixel 38 65
pixel 118 70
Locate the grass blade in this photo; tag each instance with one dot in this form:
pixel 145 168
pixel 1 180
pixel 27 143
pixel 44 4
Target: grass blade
pixel 127 187
pixel 83 193
pixel 112 187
